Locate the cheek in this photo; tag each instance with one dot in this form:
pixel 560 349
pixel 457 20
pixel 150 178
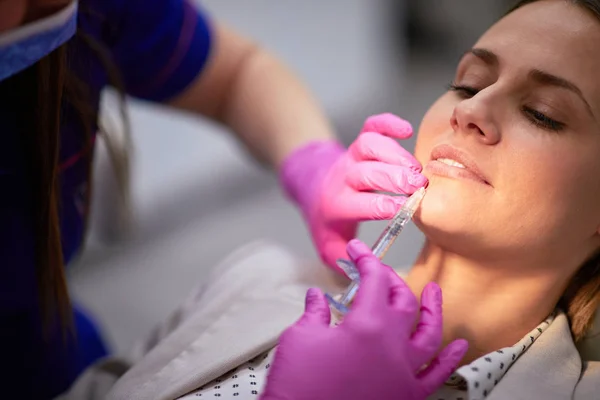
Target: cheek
pixel 435 124
pixel 560 194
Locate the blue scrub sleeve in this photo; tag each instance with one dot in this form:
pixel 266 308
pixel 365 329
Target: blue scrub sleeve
pixel 160 46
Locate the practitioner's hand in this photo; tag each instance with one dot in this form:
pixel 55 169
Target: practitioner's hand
pixel 334 186
pixel 374 353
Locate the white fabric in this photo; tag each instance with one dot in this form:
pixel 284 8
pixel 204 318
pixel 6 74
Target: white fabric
pixel 474 381
pixel 477 380
pixel 216 330
pixel 243 383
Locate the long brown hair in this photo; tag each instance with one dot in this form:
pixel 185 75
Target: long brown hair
pixel 41 92
pixel 44 147
pixel 582 297
pixel 38 93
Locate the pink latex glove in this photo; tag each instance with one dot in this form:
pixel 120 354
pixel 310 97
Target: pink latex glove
pixel 374 353
pixel 333 186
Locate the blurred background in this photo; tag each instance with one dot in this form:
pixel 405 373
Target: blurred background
pixel 196 195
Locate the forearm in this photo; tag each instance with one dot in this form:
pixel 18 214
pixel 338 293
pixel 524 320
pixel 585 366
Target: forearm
pixel 271 110
pixel 256 96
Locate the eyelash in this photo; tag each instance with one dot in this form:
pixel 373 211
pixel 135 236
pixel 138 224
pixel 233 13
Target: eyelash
pixel 537 118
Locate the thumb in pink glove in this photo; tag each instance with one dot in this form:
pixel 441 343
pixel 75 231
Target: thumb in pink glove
pixel 374 353
pixel 334 187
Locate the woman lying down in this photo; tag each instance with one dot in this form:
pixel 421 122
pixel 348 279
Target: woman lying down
pixel 512 225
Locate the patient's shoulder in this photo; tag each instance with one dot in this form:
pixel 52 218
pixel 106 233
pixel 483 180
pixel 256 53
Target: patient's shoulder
pixel 589 384
pixel 258 262
pixel 266 266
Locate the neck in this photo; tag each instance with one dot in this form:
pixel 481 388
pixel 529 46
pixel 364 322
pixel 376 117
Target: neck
pixel 489 304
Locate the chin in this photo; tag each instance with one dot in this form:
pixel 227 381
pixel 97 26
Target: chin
pixel 451 212
pixel 447 202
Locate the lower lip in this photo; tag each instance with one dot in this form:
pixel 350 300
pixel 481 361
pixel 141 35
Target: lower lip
pixel 441 169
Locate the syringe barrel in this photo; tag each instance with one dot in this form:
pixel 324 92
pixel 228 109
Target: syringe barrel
pixel 389 235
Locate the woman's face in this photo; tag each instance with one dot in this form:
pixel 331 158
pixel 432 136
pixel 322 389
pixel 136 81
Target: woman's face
pixel 523 119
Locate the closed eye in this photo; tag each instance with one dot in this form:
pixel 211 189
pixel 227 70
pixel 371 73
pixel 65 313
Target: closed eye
pixel 537 118
pixel 463 90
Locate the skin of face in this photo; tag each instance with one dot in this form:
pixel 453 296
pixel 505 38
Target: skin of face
pixel 524 117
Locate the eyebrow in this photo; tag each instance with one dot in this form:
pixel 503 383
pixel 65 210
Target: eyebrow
pixel 537 75
pixel 485 55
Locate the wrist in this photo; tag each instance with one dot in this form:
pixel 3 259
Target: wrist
pixel 306 166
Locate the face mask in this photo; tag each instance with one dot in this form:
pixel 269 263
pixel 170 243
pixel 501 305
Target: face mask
pixel 22 47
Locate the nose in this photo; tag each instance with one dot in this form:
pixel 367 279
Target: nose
pixel 472 117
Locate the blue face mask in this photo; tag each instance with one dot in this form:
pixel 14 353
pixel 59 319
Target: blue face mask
pixel 22 47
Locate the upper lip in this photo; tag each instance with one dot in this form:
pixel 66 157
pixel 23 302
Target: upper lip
pixel 452 153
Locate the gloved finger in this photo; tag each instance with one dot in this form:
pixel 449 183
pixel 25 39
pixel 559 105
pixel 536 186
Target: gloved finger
pixel 372 146
pixel 403 302
pixel 373 293
pixel 363 206
pixel 389 125
pixel 441 367
pixel 373 175
pixel 316 309
pixel 427 336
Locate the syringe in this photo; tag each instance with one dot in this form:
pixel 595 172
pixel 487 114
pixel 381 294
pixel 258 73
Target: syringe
pixel 380 248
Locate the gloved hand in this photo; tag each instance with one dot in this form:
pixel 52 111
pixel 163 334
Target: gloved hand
pixel 333 186
pixel 374 353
